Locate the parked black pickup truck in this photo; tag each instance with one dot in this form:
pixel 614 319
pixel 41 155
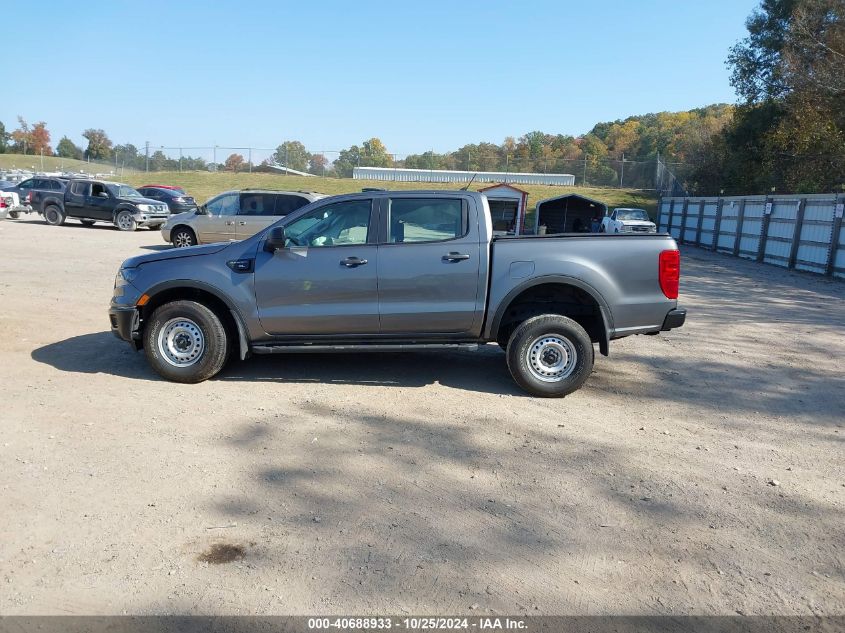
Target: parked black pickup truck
pixel 92 201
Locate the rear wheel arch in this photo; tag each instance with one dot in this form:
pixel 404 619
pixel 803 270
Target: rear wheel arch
pixel 554 295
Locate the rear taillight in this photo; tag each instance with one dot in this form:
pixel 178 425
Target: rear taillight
pixel 2 203
pixel 29 197
pixel 669 265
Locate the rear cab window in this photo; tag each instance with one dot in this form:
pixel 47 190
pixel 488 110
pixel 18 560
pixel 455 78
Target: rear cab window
pixel 417 220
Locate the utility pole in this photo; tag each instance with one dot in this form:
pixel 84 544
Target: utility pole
pixel 42 159
pixel 584 182
pixel 147 156
pixel 180 160
pixel 250 160
pixel 622 171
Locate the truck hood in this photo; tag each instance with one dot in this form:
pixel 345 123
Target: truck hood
pixel 175 253
pixel 134 200
pixel 637 222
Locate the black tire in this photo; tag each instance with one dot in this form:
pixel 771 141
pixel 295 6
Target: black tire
pixel 87 222
pixel 124 221
pixel 54 215
pixel 167 324
pixel 182 237
pixel 14 214
pixel 542 342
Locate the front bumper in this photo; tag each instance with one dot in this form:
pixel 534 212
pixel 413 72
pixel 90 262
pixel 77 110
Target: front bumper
pixel 150 220
pixel 125 322
pixel 674 319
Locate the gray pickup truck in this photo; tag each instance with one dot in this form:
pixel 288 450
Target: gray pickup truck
pixel 396 271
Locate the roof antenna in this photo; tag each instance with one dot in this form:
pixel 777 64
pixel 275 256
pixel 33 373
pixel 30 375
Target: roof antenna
pixel 466 188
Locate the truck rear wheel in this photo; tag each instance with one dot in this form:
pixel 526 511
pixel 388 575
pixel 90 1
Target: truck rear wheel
pixel 550 356
pixel 185 341
pixel 54 215
pixel 124 221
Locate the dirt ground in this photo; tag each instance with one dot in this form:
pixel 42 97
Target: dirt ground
pixel 698 472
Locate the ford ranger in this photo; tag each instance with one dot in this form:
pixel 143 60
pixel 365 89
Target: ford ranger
pixel 395 271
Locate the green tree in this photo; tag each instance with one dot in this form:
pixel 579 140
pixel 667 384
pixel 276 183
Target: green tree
pixel 68 149
pixel 4 138
pixel 292 154
pixel 347 161
pixel 99 144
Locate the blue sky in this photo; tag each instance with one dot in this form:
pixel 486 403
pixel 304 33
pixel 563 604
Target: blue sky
pixel 419 75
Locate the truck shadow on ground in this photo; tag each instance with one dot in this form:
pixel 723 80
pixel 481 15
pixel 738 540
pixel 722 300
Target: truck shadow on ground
pixel 482 371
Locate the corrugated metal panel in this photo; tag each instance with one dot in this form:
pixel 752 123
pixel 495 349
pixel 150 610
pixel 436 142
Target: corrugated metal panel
pixel 709 226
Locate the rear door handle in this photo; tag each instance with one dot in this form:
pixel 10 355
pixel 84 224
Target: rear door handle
pixel 353 262
pixel 242 223
pixel 455 257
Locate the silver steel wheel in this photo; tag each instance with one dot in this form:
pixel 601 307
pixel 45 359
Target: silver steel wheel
pixel 551 358
pixel 183 239
pixel 180 342
pixel 125 221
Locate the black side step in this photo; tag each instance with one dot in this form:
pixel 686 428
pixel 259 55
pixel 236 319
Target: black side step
pixel 359 347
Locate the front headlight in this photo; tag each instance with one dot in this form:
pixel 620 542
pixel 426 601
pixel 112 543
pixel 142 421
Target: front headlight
pixel 125 276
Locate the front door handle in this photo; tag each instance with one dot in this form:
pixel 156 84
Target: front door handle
pixel 353 262
pixel 455 257
pixel 242 223
pixel 232 223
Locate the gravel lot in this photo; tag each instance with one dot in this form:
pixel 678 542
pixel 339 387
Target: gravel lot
pixel 698 472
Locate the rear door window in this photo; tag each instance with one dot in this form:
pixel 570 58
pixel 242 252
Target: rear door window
pixel 288 203
pixel 80 188
pixel 426 220
pixel 257 204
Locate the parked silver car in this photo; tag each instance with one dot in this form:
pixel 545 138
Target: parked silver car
pixel 234 215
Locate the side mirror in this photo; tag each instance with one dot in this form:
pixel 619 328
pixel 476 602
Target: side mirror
pixel 102 194
pixel 275 239
pixel 201 210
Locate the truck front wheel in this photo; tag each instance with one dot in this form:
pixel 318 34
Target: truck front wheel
pixel 124 221
pixel 185 341
pixel 54 215
pixel 550 356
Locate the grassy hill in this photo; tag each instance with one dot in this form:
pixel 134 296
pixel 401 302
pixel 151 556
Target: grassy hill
pixel 204 185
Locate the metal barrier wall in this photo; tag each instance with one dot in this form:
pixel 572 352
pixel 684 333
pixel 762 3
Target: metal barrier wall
pixel 802 232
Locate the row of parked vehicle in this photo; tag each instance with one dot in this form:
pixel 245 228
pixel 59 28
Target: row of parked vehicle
pixel 231 215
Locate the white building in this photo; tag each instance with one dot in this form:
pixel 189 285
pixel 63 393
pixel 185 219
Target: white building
pixel 446 175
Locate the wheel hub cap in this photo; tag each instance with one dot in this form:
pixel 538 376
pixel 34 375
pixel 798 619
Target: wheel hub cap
pixel 181 342
pixel 551 358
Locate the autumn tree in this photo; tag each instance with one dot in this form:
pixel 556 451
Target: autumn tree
pixel 68 149
pixel 22 137
pixel 234 163
pixel 317 164
pixel 99 144
pixel 374 154
pixel 41 139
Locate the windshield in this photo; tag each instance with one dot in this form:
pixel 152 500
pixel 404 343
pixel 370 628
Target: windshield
pixel 631 214
pixel 124 191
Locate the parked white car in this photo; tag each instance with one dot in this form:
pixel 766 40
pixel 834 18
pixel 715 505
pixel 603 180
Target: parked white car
pixel 624 220
pixel 10 202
